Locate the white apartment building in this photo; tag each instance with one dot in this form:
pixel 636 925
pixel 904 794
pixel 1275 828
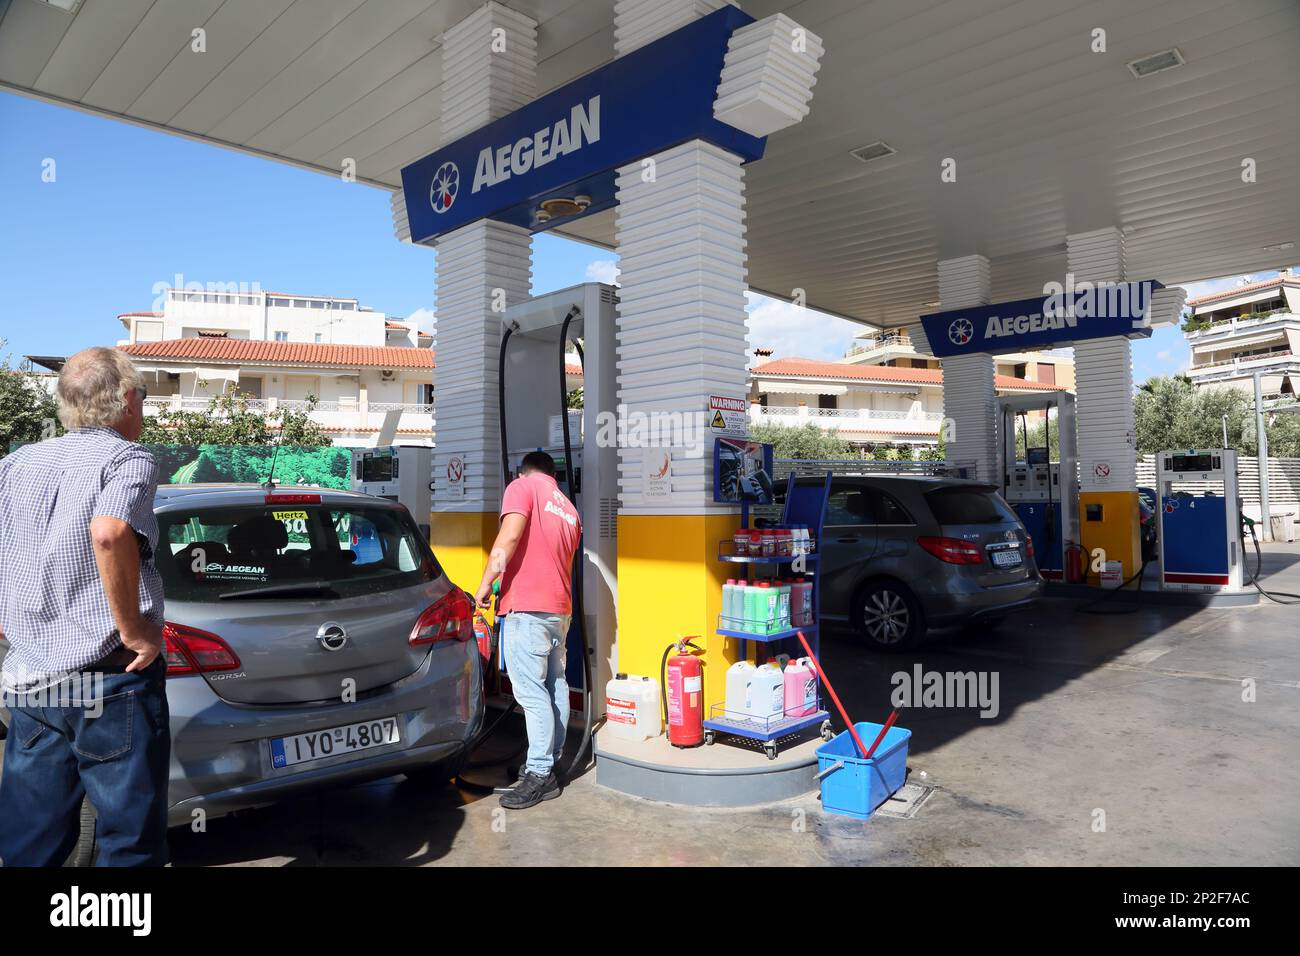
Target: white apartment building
pixel 280 350
pixel 884 392
pixel 1252 327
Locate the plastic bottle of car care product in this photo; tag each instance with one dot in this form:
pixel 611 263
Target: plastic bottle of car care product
pixel 729 603
pixel 801 602
pixel 800 688
pixel 632 707
pixel 767 692
pixel 783 606
pixel 768 596
pixel 739 676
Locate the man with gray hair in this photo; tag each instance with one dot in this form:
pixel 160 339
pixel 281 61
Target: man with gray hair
pixel 80 598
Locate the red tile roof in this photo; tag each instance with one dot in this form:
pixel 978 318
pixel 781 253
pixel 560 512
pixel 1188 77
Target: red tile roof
pixel 810 368
pixel 260 352
pixel 1276 282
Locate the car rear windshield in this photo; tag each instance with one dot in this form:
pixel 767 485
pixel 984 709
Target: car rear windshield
pixel 251 551
pixel 958 505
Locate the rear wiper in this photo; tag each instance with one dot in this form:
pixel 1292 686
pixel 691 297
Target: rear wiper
pixel 319 588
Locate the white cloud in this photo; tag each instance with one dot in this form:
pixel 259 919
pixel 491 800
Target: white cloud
pixel 422 319
pixel 792 331
pixel 603 270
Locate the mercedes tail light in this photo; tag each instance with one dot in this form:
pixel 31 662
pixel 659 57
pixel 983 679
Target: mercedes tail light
pixel 952 550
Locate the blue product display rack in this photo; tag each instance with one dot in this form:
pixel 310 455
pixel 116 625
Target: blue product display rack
pixel 805 504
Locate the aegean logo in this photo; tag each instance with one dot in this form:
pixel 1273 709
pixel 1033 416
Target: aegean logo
pixel 75 909
pixel 446 184
pixel 568 135
pixel 960 331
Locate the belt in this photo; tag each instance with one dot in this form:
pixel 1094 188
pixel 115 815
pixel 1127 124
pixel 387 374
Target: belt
pixel 112 662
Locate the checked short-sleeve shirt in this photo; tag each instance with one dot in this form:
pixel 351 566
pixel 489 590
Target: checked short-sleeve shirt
pixel 53 609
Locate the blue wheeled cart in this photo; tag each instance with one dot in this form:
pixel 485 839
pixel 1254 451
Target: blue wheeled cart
pixel 805 504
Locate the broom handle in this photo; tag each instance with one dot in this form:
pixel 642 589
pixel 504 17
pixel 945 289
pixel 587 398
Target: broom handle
pixel 893 716
pixel 831 690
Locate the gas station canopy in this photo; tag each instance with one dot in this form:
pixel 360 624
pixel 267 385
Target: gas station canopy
pixel 1043 140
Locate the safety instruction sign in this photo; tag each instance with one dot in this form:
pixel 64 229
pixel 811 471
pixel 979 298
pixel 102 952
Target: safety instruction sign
pixel 656 474
pixel 728 416
pixel 456 474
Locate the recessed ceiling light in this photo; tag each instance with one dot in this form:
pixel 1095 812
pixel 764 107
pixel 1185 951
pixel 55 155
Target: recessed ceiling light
pixel 67 6
pixel 1280 247
pixel 1156 62
pixel 877 150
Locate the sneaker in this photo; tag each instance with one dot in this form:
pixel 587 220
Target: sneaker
pixel 506 788
pixel 532 790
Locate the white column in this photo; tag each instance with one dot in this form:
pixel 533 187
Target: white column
pixel 1103 370
pixel 969 400
pixel 489 70
pixel 638 22
pixel 680 227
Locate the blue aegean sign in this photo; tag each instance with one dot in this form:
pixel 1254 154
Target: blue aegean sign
pixel 571 141
pixel 1074 313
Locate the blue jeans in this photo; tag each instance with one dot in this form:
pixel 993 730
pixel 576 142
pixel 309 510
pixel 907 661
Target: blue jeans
pixel 534 650
pixel 114 747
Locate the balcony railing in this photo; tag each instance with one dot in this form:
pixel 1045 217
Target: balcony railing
pixel 846 418
pixel 1264 359
pixel 347 415
pixel 1237 325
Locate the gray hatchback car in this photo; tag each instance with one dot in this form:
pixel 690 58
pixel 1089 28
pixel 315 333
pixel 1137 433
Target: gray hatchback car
pixel 312 640
pixel 904 554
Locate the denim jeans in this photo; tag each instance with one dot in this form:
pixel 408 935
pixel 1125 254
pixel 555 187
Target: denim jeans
pixel 534 650
pixel 114 748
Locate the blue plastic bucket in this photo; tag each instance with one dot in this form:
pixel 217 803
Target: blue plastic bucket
pixel 854 787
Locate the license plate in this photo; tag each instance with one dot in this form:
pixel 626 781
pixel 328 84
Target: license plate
pixel 1007 558
pixel 287 751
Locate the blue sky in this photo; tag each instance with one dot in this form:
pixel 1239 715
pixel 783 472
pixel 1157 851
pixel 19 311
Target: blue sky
pixel 131 210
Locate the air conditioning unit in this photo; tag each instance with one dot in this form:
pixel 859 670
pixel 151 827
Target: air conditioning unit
pixel 386 375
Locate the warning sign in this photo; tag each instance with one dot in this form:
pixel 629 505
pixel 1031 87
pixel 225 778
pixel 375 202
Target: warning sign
pixel 728 416
pixel 456 475
pixel 1102 470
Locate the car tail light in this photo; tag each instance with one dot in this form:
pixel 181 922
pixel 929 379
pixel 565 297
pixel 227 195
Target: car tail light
pixel 191 651
pixel 450 618
pixel 952 550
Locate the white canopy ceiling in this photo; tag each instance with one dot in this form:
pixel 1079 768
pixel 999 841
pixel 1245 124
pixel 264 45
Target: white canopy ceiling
pixel 1048 136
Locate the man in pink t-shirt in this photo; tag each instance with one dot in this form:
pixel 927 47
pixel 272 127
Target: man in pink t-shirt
pixel 533 557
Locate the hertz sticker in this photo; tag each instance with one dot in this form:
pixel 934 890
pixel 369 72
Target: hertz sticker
pixel 289 515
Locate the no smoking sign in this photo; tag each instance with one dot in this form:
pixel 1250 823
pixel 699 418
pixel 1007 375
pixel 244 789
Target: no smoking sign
pixel 456 474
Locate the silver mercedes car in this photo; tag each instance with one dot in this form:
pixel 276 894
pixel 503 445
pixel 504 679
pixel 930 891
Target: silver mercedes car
pixel 312 639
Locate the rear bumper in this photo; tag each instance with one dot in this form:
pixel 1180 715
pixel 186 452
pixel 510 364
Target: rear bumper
pixel 221 752
pixel 954 607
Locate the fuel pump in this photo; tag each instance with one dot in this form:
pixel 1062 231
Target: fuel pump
pixel 399 473
pixel 536 336
pixel 1044 493
pixel 1199 514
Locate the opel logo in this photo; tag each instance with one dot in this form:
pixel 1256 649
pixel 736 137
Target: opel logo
pixel 332 637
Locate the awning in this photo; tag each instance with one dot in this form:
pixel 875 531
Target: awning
pixel 801 388
pixel 208 374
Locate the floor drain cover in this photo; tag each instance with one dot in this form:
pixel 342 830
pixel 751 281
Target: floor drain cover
pixel 909 799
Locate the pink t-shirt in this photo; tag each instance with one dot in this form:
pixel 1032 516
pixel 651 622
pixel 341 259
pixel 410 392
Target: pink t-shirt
pixel 537 577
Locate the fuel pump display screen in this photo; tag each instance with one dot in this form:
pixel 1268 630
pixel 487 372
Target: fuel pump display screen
pixel 1185 463
pixel 377 467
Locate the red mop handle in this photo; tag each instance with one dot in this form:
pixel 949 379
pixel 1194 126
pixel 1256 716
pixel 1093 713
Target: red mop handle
pixel 893 716
pixel 831 690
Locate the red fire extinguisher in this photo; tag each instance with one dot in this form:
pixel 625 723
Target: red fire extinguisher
pixel 682 680
pixel 1074 563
